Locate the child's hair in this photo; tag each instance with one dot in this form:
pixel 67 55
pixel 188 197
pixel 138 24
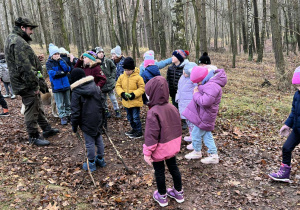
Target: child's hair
pixel 198 74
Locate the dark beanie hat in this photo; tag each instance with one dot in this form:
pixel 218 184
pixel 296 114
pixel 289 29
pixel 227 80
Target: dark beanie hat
pixel 77 74
pixel 128 63
pixel 204 59
pixel 181 54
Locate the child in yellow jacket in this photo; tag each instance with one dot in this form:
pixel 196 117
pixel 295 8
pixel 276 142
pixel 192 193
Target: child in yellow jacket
pixel 130 86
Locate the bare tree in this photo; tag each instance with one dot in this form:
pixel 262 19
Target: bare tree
pixel 263 31
pixel 256 25
pixel 134 37
pixel 249 20
pixel 148 24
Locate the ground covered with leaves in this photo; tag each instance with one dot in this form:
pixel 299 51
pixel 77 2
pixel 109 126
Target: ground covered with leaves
pixel 246 135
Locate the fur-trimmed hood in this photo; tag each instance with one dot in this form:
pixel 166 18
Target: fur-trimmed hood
pixel 93 63
pixel 82 81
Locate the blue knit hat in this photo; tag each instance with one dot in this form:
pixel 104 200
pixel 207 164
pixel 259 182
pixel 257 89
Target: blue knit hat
pixel 53 49
pixel 188 67
pixel 90 54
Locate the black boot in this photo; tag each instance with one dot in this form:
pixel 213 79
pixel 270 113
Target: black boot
pixel 184 125
pixel 50 132
pixel 107 113
pixel 38 141
pixel 118 114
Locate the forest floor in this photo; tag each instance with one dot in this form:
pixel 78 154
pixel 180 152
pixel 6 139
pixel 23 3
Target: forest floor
pixel 246 135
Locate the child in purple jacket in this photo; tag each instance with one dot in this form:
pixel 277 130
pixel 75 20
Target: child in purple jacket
pixel 163 140
pixel 184 95
pixel 203 110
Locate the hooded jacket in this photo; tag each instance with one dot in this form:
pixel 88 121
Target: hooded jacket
pixel 109 69
pixel 160 64
pixel 173 75
pixel 133 83
pixel 22 62
pixel 163 124
pixel 203 109
pixel 94 70
pixel 119 68
pixel 87 110
pixel 150 72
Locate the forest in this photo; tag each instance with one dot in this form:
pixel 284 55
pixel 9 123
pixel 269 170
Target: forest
pixel 256 42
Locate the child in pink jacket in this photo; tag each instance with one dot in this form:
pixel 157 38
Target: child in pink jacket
pixel 163 140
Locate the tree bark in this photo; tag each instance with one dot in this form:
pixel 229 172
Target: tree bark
pixel 263 31
pixel 11 13
pixel 161 30
pixel 297 12
pixel 121 33
pixel 43 24
pixel 256 25
pixel 216 24
pixel 155 25
pixel 148 25
pixel 134 37
pixel 203 43
pixel 232 37
pixel 6 18
pixel 178 25
pixel 249 20
pixel 277 46
pixel 244 32
pixel 198 26
pixel 110 26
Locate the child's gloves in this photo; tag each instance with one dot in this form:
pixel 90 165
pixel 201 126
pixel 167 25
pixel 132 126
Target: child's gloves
pixel 285 130
pixel 208 76
pixel 124 96
pixel 74 128
pixel 148 160
pixel 131 96
pixel 127 95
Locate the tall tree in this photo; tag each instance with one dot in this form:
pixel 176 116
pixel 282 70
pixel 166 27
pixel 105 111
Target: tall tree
pixel 263 31
pixel 277 45
pixel 216 24
pixel 161 30
pixel 198 26
pixel 43 23
pixel 93 24
pixel 250 36
pixel 134 36
pixel 110 25
pixel 203 43
pixel 244 32
pixel 178 25
pixel 11 13
pixel 297 22
pixel 5 17
pixel 1 43
pixel 256 25
pixel 155 25
pixel 120 26
pixel 76 26
pixel 232 34
pixel 148 24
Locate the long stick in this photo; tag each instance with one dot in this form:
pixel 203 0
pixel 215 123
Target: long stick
pixel 87 161
pixel 118 154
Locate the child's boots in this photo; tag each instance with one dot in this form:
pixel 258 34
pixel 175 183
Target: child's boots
pixel 92 166
pixel 283 175
pixel 178 196
pixel 5 113
pixel 100 161
pixel 162 200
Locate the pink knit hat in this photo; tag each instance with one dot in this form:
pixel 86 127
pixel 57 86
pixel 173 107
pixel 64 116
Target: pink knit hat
pixel 296 77
pixel 198 74
pixel 149 58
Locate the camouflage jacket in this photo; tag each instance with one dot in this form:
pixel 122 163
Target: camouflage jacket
pixel 22 62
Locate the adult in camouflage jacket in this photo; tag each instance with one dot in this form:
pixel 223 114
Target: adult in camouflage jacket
pixel 23 66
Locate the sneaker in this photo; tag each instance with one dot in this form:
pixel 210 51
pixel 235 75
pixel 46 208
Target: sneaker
pixel 283 175
pixel 100 161
pixel 187 138
pixel 211 159
pixel 6 96
pixel 118 114
pixel 13 97
pixel 160 199
pixel 129 133
pixel 92 166
pixel 190 146
pixel 193 155
pixel 64 121
pixel 38 141
pixel 4 114
pixel 136 135
pixel 178 196
pixel 107 114
pixel 50 132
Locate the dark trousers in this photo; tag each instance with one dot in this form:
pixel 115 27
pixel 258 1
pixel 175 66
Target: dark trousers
pixel 292 141
pixel 174 102
pixel 90 143
pixel 3 102
pixel 133 116
pixel 159 168
pixel 34 114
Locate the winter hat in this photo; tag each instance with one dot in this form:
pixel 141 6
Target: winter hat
pixel 118 51
pixel 53 49
pixel 91 55
pixel 77 74
pixel 188 67
pixel 99 49
pixel 198 74
pixel 181 54
pixel 296 77
pixel 112 51
pixel 63 51
pixel 149 58
pixel 204 59
pixel 128 63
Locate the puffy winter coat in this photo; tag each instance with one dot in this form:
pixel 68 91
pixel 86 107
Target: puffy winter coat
pixel 184 93
pixel 94 70
pixel 4 74
pixel 163 124
pixel 133 83
pixel 109 69
pixel 173 75
pixel 57 70
pixel 119 68
pixel 87 110
pixel 203 109
pixel 150 72
pixel 293 121
pixel 160 64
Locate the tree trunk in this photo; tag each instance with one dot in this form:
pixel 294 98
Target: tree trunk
pixel 1 44
pixel 179 25
pixel 216 24
pixel 134 37
pixel 161 30
pixel 232 37
pixel 6 18
pixel 148 25
pixel 11 13
pixel 244 32
pixel 121 33
pixel 19 12
pixel 76 26
pixel 93 24
pixel 198 26
pixel 37 34
pixel 203 43
pixel 256 25
pixel 286 30
pixel 277 46
pixel 43 24
pixel 110 26
pixel 297 12
pixel 155 25
pixel 263 30
pixel 127 29
pixel 249 20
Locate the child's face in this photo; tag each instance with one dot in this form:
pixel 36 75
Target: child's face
pixel 56 56
pixel 86 60
pixel 199 83
pixel 113 56
pixel 128 71
pixel 100 55
pixel 184 74
pixel 297 86
pixel 175 60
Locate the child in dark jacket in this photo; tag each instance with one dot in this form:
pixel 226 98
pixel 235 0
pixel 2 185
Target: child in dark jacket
pixel 57 69
pixel 87 113
pixel 292 123
pixel 163 140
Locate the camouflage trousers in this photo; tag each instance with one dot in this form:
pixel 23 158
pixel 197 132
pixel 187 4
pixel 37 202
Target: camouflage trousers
pixel 34 114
